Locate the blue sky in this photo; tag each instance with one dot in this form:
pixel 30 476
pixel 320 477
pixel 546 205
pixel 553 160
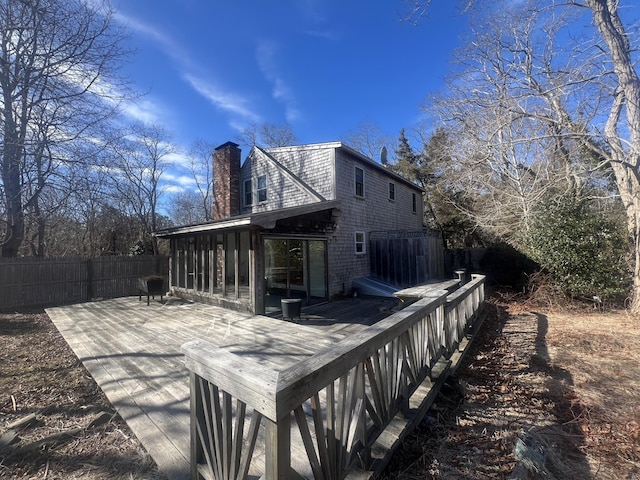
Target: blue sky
pixel 324 66
pixel 211 68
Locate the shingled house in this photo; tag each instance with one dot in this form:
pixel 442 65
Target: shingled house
pixel 304 222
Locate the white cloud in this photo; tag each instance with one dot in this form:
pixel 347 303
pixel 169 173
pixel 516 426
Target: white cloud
pixel 144 110
pixel 165 42
pixel 227 101
pixel 173 189
pixel 178 158
pixel 266 54
pixel 183 181
pixel 237 125
pixel 176 183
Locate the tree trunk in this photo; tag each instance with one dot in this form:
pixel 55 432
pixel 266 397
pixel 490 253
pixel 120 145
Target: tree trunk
pixel 627 98
pixel 14 233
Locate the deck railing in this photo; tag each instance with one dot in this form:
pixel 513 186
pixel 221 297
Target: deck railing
pixel 334 414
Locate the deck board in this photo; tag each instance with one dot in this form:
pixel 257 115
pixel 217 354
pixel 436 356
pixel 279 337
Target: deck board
pixel 133 352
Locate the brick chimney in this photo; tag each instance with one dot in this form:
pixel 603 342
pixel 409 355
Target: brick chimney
pixel 226 181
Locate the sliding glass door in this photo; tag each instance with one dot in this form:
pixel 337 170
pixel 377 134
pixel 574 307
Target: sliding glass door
pixel 317 270
pixel 294 268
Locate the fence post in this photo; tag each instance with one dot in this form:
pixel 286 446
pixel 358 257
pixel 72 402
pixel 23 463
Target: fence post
pixel 89 279
pixel 158 269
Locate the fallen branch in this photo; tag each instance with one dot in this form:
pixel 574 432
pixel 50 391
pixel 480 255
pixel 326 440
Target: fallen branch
pixel 48 441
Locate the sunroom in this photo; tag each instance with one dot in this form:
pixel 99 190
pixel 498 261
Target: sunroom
pixel 252 262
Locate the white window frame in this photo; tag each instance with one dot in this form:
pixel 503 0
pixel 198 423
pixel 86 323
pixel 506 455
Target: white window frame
pixel 360 245
pixel 392 191
pixel 355 181
pixel 260 190
pixel 247 192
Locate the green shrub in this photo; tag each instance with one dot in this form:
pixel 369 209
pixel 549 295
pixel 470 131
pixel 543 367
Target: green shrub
pixel 505 266
pixel 584 250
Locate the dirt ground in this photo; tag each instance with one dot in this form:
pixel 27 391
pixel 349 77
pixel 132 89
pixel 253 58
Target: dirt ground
pixel 551 394
pixel 542 394
pixel 40 374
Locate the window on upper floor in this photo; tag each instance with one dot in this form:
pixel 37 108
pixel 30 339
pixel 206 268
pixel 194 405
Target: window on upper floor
pixel 392 191
pixel 360 243
pixel 248 193
pixel 359 181
pixel 261 191
pixel 414 203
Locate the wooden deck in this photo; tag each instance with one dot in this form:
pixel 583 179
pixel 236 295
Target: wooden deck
pixel 133 352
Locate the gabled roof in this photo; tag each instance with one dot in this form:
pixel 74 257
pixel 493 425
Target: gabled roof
pixel 261 220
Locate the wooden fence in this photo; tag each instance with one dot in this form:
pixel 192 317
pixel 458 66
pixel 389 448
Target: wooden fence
pixel 44 282
pixel 406 258
pixel 352 403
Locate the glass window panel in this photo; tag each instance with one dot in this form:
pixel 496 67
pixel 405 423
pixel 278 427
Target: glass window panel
pixel 180 273
pixel 218 262
pixel 276 265
pixel 206 249
pixel 230 264
pixel 190 262
pixel 244 264
pixel 199 264
pixel 360 243
pixel 317 270
pixel 275 273
pixel 359 182
pixel 297 268
pixel 248 193
pixel 177 270
pixel 262 188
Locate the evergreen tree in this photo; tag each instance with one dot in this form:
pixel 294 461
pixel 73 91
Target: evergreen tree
pixel 442 197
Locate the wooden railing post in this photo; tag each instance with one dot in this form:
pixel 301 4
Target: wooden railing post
pixel 365 453
pixel 277 448
pixel 196 412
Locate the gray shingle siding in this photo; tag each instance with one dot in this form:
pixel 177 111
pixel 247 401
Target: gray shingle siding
pixel 327 170
pixel 373 212
pixel 282 190
pixel 313 164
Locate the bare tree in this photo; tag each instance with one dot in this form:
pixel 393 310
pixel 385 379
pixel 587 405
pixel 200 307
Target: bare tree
pixel 141 161
pixel 367 138
pixel 189 207
pixel 268 135
pixel 57 59
pixel 575 88
pixel 90 199
pixel 503 158
pixel 186 208
pixel 201 164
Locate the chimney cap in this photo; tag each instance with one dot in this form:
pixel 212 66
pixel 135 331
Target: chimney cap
pixel 225 145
